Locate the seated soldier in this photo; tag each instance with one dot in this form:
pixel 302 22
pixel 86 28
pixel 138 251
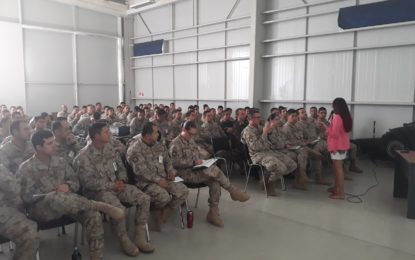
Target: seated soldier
pixel 137 123
pixel 185 154
pixel 67 146
pixel 176 125
pixel 48 189
pixel 300 155
pixel 18 149
pixel 161 120
pixel 208 131
pixel 103 177
pixel 152 165
pixel 14 224
pixel 256 139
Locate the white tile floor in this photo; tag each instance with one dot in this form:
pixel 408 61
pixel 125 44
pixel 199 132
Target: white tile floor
pixel 297 225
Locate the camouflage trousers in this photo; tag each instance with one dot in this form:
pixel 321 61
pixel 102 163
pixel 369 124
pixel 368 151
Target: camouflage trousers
pixel 57 205
pixel 130 196
pixel 300 156
pixel 173 196
pixel 213 177
pixel 23 232
pixel 276 164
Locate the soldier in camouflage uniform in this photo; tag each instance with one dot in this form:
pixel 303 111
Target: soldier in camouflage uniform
pixel 103 177
pixel 136 125
pixel 279 143
pixel 66 145
pixel 209 130
pixel 295 137
pixel 19 148
pixel 13 223
pixel 48 189
pixel 152 165
pixel 176 125
pixel 163 124
pixel 275 163
pixel 185 154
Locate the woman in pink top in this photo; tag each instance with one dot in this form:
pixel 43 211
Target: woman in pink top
pixel 338 143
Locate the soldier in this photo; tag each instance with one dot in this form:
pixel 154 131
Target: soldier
pixel 279 143
pixel 81 128
pixel 295 137
pixel 176 125
pixel 63 112
pixel 13 224
pixel 19 148
pixel 276 164
pixel 74 116
pixel 209 130
pixel 185 154
pixel 152 165
pixel 66 145
pixel 137 123
pixel 49 187
pixel 103 177
pixel 163 125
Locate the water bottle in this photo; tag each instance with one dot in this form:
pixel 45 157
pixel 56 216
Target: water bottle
pixel 76 254
pixel 189 219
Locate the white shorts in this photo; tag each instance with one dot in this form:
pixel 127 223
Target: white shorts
pixel 338 155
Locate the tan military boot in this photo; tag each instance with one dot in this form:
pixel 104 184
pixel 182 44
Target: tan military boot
pixel 300 181
pixel 128 247
pixel 158 219
pixel 113 212
pixel 271 189
pixel 237 195
pixel 140 239
pixel 214 218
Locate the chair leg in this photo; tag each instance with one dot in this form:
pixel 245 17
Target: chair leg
pixel 75 240
pixel 11 246
pixel 82 236
pixel 1 249
pixel 63 230
pixel 148 233
pixel 37 255
pixel 263 178
pixel 247 177
pixel 181 216
pixel 283 187
pixel 59 232
pixel 197 198
pixel 226 165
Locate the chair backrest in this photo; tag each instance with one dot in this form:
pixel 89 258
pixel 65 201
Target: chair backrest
pixel 246 153
pixel 220 144
pixel 3 240
pixel 132 178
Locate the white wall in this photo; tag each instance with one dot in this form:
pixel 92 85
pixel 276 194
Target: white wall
pixel 208 59
pixel 54 53
pixel 308 61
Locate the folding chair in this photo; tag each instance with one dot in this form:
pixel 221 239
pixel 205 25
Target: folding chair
pixel 221 144
pixel 251 165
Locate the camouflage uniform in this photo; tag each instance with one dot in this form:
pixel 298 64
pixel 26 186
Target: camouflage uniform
pixel 183 154
pixel 136 126
pixel 164 128
pixel 279 143
pixel 152 164
pixel 12 156
pixel 175 129
pixel 276 164
pixel 39 178
pixel 13 224
pixel 67 151
pixel 82 127
pixel 98 170
pixel 207 132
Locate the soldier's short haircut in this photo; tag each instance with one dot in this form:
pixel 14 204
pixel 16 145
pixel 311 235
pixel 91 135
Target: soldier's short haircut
pixel 98 103
pixel 96 129
pixel 271 117
pixel 322 109
pixel 187 125
pixel 37 118
pixel 56 125
pixel 161 112
pixel 15 125
pixel 136 109
pixel 273 109
pixel 313 108
pixel 206 112
pixel 219 107
pixel 38 138
pixel 189 113
pixel 292 111
pixel 282 108
pixel 97 115
pixel 301 108
pixel 147 129
pixel 252 112
pixel 75 107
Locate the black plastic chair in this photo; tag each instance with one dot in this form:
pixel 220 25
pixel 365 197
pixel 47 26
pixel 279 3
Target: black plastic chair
pixel 221 144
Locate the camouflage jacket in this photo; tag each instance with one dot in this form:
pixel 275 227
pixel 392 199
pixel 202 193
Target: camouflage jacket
pixel 9 187
pixel 12 156
pixel 294 134
pixel 183 153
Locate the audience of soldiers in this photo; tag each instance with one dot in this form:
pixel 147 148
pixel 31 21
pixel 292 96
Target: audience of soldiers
pixel 74 166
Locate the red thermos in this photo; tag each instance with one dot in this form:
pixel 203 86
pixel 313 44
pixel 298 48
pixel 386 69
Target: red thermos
pixel 189 219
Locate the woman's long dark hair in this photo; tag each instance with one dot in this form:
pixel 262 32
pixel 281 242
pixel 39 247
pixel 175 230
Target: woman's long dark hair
pixel 340 108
